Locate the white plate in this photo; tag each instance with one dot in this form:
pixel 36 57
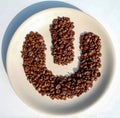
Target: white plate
pixel 40 22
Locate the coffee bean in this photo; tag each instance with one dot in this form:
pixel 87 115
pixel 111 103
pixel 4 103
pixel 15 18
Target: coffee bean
pixel 61 87
pixel 62 35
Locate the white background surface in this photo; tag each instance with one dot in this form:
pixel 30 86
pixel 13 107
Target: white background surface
pixel 107 12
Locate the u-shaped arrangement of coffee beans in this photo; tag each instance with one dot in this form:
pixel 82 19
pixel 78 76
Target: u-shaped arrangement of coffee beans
pixel 62 34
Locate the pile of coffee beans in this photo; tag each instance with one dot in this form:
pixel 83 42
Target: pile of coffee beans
pixel 62 35
pixel 61 87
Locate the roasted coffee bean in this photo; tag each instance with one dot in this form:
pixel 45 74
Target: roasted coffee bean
pixel 62 35
pixel 61 87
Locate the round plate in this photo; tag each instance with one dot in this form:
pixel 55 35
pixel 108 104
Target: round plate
pixel 40 22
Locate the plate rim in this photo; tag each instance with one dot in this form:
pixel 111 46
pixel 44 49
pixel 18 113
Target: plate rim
pixel 61 8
